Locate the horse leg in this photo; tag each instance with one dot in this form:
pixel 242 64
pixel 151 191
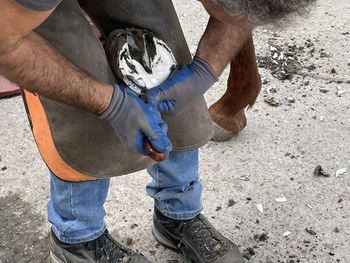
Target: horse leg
pixel 243 87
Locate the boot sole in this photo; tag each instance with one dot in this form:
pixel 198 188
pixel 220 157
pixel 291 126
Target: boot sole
pixel 165 242
pixel 54 259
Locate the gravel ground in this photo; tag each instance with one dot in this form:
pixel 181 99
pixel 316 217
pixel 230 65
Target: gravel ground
pixel 300 121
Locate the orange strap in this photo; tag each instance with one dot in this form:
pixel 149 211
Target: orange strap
pixel 44 141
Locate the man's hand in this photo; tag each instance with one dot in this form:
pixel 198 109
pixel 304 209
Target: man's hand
pixel 132 120
pixel 28 60
pixel 219 44
pixel 184 86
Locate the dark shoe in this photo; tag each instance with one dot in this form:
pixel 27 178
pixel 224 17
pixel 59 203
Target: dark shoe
pixel 196 239
pixel 101 250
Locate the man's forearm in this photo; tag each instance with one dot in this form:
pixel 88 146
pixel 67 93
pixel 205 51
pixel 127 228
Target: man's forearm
pixel 221 42
pixel 34 65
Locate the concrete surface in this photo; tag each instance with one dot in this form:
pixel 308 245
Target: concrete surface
pixel 274 157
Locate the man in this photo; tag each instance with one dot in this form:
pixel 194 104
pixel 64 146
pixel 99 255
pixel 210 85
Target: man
pixel 88 127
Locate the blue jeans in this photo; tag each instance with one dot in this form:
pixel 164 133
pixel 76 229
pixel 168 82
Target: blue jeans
pixel 76 209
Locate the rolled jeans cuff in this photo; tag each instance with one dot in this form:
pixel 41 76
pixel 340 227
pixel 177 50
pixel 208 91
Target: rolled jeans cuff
pixel 177 215
pixel 81 239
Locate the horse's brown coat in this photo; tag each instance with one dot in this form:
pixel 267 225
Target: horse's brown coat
pixel 243 88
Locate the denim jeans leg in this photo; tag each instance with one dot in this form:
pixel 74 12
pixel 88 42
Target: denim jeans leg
pixel 175 185
pixel 76 210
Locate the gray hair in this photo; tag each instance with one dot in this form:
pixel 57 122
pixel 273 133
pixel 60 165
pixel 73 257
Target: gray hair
pixel 263 11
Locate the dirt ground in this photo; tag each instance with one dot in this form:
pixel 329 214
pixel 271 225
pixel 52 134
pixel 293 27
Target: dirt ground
pixel 300 121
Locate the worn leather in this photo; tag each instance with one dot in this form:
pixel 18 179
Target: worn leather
pixel 192 128
pixel 83 141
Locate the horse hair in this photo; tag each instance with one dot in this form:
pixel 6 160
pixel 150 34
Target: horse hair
pixel 264 11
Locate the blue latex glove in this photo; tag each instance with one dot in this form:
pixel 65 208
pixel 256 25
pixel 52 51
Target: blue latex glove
pixel 183 87
pixel 132 119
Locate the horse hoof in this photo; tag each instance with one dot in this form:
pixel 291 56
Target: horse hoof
pixel 222 134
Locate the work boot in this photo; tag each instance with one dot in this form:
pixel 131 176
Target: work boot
pixel 196 239
pixel 101 250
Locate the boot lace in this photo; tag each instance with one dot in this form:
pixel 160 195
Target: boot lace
pixel 107 250
pixel 211 245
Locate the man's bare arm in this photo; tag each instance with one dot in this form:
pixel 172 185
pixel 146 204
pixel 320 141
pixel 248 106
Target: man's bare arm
pixel 29 61
pixel 37 67
pixel 221 42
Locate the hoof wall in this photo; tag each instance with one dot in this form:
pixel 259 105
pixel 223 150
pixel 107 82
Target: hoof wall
pixel 221 134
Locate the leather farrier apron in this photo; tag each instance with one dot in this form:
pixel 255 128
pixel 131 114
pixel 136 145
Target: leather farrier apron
pixel 77 145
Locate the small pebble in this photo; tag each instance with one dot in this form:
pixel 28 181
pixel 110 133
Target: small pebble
pixel 319 172
pixel 261 238
pixel 231 202
pixel 311 231
pixel 129 241
pixel 291 100
pixel 287 233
